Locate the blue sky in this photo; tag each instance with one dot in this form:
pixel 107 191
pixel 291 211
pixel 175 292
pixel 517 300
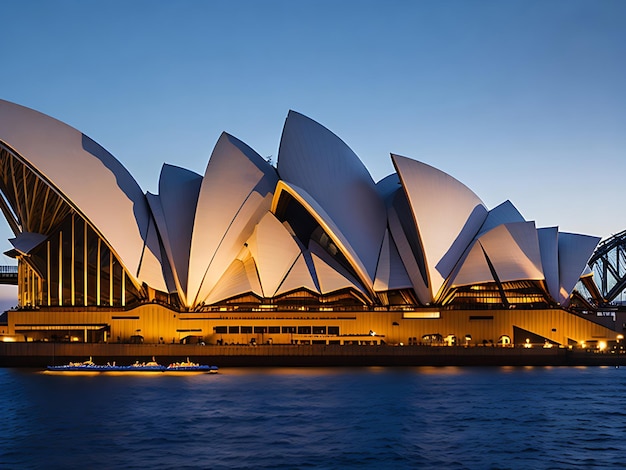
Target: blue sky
pixel 519 100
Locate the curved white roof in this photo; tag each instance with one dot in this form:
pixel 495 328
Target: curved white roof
pixel 301 275
pixel 327 223
pixel 316 160
pixel 98 186
pixel 151 269
pixel 157 214
pixel 331 276
pixel 178 196
pixel 574 252
pixel 549 247
pixel 418 228
pixel 403 266
pixel 390 273
pixel 274 251
pixel 388 186
pixel 447 213
pixel 239 278
pixel 512 249
pixel 406 255
pixel 503 214
pixel 236 193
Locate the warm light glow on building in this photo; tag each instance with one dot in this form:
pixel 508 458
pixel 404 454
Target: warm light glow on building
pixel 252 253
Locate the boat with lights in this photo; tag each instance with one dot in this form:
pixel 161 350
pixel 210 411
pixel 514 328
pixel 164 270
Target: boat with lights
pixel 151 366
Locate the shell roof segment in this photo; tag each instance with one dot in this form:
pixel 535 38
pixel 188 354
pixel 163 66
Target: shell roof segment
pixel 447 215
pixel 574 252
pixel 327 223
pixel 235 194
pixel 512 249
pixel 549 247
pixel 274 250
pixel 98 185
pixel 390 274
pixel 300 276
pixel 177 200
pixel 317 161
pixel 220 235
pixel 239 278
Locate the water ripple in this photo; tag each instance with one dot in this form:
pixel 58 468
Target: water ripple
pixel 405 418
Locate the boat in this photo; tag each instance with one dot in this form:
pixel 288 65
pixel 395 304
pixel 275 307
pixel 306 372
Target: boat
pixel 151 366
pixel 189 366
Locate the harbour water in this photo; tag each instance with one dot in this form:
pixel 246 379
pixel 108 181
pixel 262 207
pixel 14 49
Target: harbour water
pixel 327 418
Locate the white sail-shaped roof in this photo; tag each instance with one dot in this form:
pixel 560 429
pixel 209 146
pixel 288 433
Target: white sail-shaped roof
pixel 157 214
pixel 239 278
pixel 151 269
pixel 512 250
pixel 331 276
pixel 447 214
pixel 329 279
pixel 408 259
pixel 474 268
pixel 329 226
pixel 390 273
pixel 300 276
pixel 274 250
pixel 387 186
pixel 215 237
pixel 574 252
pixel 316 160
pixel 236 193
pixel 549 247
pixel 91 180
pixel 505 213
pixel 178 196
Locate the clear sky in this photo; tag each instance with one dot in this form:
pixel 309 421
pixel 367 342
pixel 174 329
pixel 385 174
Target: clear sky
pixel 519 100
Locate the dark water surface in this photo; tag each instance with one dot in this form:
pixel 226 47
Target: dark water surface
pixel 526 418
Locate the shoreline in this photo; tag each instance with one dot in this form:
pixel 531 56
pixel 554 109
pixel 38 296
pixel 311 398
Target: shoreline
pixel 44 354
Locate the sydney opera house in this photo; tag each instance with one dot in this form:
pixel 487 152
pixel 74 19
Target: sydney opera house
pixel 310 251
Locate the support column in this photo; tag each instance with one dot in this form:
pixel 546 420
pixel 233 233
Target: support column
pixel 73 265
pixel 60 268
pixel 98 274
pixel 48 271
pixel 85 265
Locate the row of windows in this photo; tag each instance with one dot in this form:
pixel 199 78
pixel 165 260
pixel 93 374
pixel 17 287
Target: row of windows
pixel 301 330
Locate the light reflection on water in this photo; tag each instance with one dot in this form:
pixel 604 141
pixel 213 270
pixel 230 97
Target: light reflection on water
pixel 431 417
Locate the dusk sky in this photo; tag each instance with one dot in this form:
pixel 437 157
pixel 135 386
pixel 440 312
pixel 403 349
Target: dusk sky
pixel 519 100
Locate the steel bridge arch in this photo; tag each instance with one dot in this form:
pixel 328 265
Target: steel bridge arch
pixel 608 264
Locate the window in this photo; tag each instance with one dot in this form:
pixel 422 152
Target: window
pixel 319 330
pixel 333 330
pixel 292 329
pixel 233 329
pixel 304 330
pixel 274 329
pixel 246 329
pixel 260 329
pixel 220 329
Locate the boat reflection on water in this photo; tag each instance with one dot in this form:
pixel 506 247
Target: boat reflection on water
pixel 90 368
